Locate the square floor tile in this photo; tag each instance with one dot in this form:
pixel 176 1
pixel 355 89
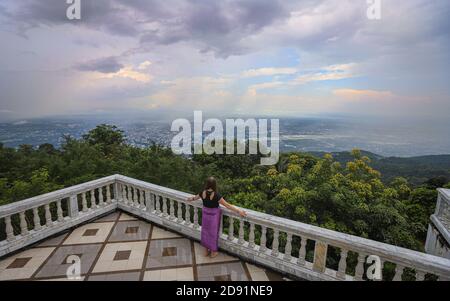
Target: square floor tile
pixel 122 255
pixel 59 262
pixel 78 236
pixel 200 258
pixel 162 253
pixel 257 273
pixel 229 271
pixel 126 217
pixel 178 274
pixel 90 232
pixel 158 233
pixel 108 218
pixel 106 262
pixel 23 265
pixel 132 276
pixel 130 230
pixel 54 241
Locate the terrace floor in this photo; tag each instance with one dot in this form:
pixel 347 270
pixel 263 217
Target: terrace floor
pixel 120 247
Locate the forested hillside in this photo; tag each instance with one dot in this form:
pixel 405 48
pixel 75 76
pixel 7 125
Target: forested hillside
pixel 348 197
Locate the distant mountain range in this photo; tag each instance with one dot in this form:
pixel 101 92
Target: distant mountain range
pixel 416 169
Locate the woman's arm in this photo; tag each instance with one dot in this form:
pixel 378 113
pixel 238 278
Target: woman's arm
pixel 232 208
pixel 193 198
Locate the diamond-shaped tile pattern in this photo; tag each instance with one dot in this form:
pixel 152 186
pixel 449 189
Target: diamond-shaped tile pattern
pixel 119 247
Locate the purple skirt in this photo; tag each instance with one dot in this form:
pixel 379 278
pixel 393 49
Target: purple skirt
pixel 210 228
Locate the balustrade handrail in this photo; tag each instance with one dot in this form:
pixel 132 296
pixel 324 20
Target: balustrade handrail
pixel 408 258
pixel 40 200
pixel 353 243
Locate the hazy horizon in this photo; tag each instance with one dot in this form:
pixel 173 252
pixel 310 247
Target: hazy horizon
pixel 262 57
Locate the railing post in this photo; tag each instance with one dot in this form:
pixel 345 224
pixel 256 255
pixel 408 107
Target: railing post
pixel 141 199
pixel 148 202
pixel 84 202
pixel 23 224
pixel 359 270
pixel 36 219
pixel 398 272
pixel 108 194
pixel 288 248
pixel 231 228
pixel 93 204
pixel 188 215
pixel 101 201
pixel 251 236
pixel 196 225
pixel 157 204
pixel 320 257
pixel 9 229
pixel 48 216
pixel 116 191
pixel 59 211
pixel 302 252
pixel 179 212
pixel 164 207
pixel 172 208
pixel 135 197
pixel 275 242
pixel 241 231
pixel 73 205
pixel 124 194
pixel 342 265
pixel 263 242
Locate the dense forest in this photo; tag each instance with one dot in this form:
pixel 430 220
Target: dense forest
pixel 345 196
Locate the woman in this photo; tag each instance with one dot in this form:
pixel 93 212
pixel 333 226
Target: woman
pixel 211 215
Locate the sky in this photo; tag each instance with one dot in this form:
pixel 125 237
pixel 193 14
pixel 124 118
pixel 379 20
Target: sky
pixel 269 57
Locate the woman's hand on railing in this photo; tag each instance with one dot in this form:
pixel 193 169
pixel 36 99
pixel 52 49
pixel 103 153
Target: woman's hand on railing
pixel 242 213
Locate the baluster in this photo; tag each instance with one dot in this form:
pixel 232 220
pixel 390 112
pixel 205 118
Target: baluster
pixel 129 195
pixel 241 231
pixel 251 236
pixel 158 204
pixel 108 194
pixel 221 226
pixel 59 211
pixel 23 224
pixel 164 207
pixel 398 272
pixel 141 199
pixel 135 197
pixel 196 225
pixel 152 202
pixel 36 219
pixel 48 216
pixel 288 248
pixel 302 252
pixel 9 229
pixel 84 202
pixel 420 276
pixel 124 194
pixel 231 228
pixel 262 246
pixel 148 201
pixel 101 201
pixel 359 270
pixel 93 205
pixel 172 208
pixel 342 268
pixel 275 243
pixel 180 212
pixel 188 215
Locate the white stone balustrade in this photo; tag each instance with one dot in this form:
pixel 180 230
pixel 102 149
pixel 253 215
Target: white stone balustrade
pixel 287 246
pixel 438 236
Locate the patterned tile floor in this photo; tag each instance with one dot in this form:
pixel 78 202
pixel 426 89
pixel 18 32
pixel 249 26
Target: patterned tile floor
pixel 119 247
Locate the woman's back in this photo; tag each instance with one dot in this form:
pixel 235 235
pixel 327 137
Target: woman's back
pixel 210 198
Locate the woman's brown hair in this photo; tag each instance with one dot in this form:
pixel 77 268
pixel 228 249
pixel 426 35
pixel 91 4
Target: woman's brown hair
pixel 211 183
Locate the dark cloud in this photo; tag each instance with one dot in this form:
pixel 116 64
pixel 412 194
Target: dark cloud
pixel 213 25
pixel 103 65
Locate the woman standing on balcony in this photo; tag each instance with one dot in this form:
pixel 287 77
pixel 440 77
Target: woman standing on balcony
pixel 211 214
